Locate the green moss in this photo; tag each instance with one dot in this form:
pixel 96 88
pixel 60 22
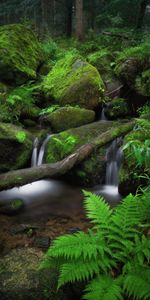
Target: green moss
pixel 142 83
pixel 21 136
pixel 20 53
pixel 72 79
pixel 118 107
pixel 69 117
pixel 141 53
pixel 102 61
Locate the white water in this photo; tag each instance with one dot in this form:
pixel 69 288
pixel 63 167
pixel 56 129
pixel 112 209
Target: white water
pixel 38 156
pixel 103 117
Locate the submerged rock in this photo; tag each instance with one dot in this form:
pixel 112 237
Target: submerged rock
pixel 20 53
pixel 15 147
pixel 74 81
pixel 68 117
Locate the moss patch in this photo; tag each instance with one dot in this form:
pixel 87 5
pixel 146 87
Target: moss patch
pixel 20 53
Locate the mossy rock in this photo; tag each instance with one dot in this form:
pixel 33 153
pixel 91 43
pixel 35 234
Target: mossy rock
pixel 69 117
pixel 74 81
pixel 21 279
pixel 129 179
pixel 133 67
pixel 12 207
pixel 16 147
pixel 101 60
pixel 20 53
pixel 117 108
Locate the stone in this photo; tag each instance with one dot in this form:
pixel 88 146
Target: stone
pixel 74 81
pixel 16 147
pixel 68 117
pixel 20 54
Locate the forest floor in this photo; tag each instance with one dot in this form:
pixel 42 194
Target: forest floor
pixel 15 233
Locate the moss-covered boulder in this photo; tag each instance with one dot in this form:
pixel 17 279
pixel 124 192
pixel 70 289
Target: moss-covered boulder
pixel 20 53
pixel 117 108
pixel 16 147
pixel 69 117
pixel 92 170
pixel 74 81
pixel 133 67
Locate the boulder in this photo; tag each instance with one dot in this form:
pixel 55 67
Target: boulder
pixel 74 81
pixel 133 68
pixel 117 108
pixel 68 117
pixel 16 147
pixel 20 53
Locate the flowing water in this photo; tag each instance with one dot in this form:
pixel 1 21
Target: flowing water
pixel 103 116
pixel 46 197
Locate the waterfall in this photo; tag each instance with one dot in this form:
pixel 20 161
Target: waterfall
pixel 103 117
pixel 113 159
pixel 34 152
pixel 37 158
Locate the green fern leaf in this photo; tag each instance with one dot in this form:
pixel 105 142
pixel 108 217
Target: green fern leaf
pixel 137 283
pixel 103 288
pixel 97 210
pixel 79 270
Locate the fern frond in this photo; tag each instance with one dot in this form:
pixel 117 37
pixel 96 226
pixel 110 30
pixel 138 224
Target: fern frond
pixel 97 210
pixel 87 245
pixel 103 288
pixel 79 270
pixel 137 283
pixel 141 249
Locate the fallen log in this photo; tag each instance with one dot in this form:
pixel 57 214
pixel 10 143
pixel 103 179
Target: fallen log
pixel 54 170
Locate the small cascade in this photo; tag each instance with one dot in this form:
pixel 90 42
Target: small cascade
pixel 103 117
pixel 42 150
pixel 35 152
pixel 38 154
pixel 113 159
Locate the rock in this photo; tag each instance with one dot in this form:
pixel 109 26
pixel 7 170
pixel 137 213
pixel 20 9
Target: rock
pixel 16 147
pixel 12 207
pixel 68 117
pixel 92 170
pixel 74 81
pixel 113 87
pixel 20 53
pixel 117 108
pixel 133 68
pixel 21 279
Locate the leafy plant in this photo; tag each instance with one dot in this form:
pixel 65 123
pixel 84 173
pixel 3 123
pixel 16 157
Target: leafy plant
pixel 49 109
pixel 21 136
pixel 113 256
pixel 65 146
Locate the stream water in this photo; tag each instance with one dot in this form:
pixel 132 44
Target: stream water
pixel 46 197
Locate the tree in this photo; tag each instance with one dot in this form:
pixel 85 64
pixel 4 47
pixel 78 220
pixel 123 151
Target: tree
pixel 141 15
pixel 79 20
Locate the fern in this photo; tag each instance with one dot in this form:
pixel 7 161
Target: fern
pixel 114 256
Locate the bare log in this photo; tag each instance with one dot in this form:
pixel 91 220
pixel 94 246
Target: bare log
pixel 54 170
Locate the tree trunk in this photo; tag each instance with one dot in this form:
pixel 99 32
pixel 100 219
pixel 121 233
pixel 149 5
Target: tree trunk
pixel 24 176
pixel 141 15
pixel 79 20
pixel 69 14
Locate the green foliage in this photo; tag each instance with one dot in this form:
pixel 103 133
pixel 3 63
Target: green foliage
pixel 113 256
pixel 20 136
pixel 144 110
pixel 49 109
pixel 63 145
pixel 51 50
